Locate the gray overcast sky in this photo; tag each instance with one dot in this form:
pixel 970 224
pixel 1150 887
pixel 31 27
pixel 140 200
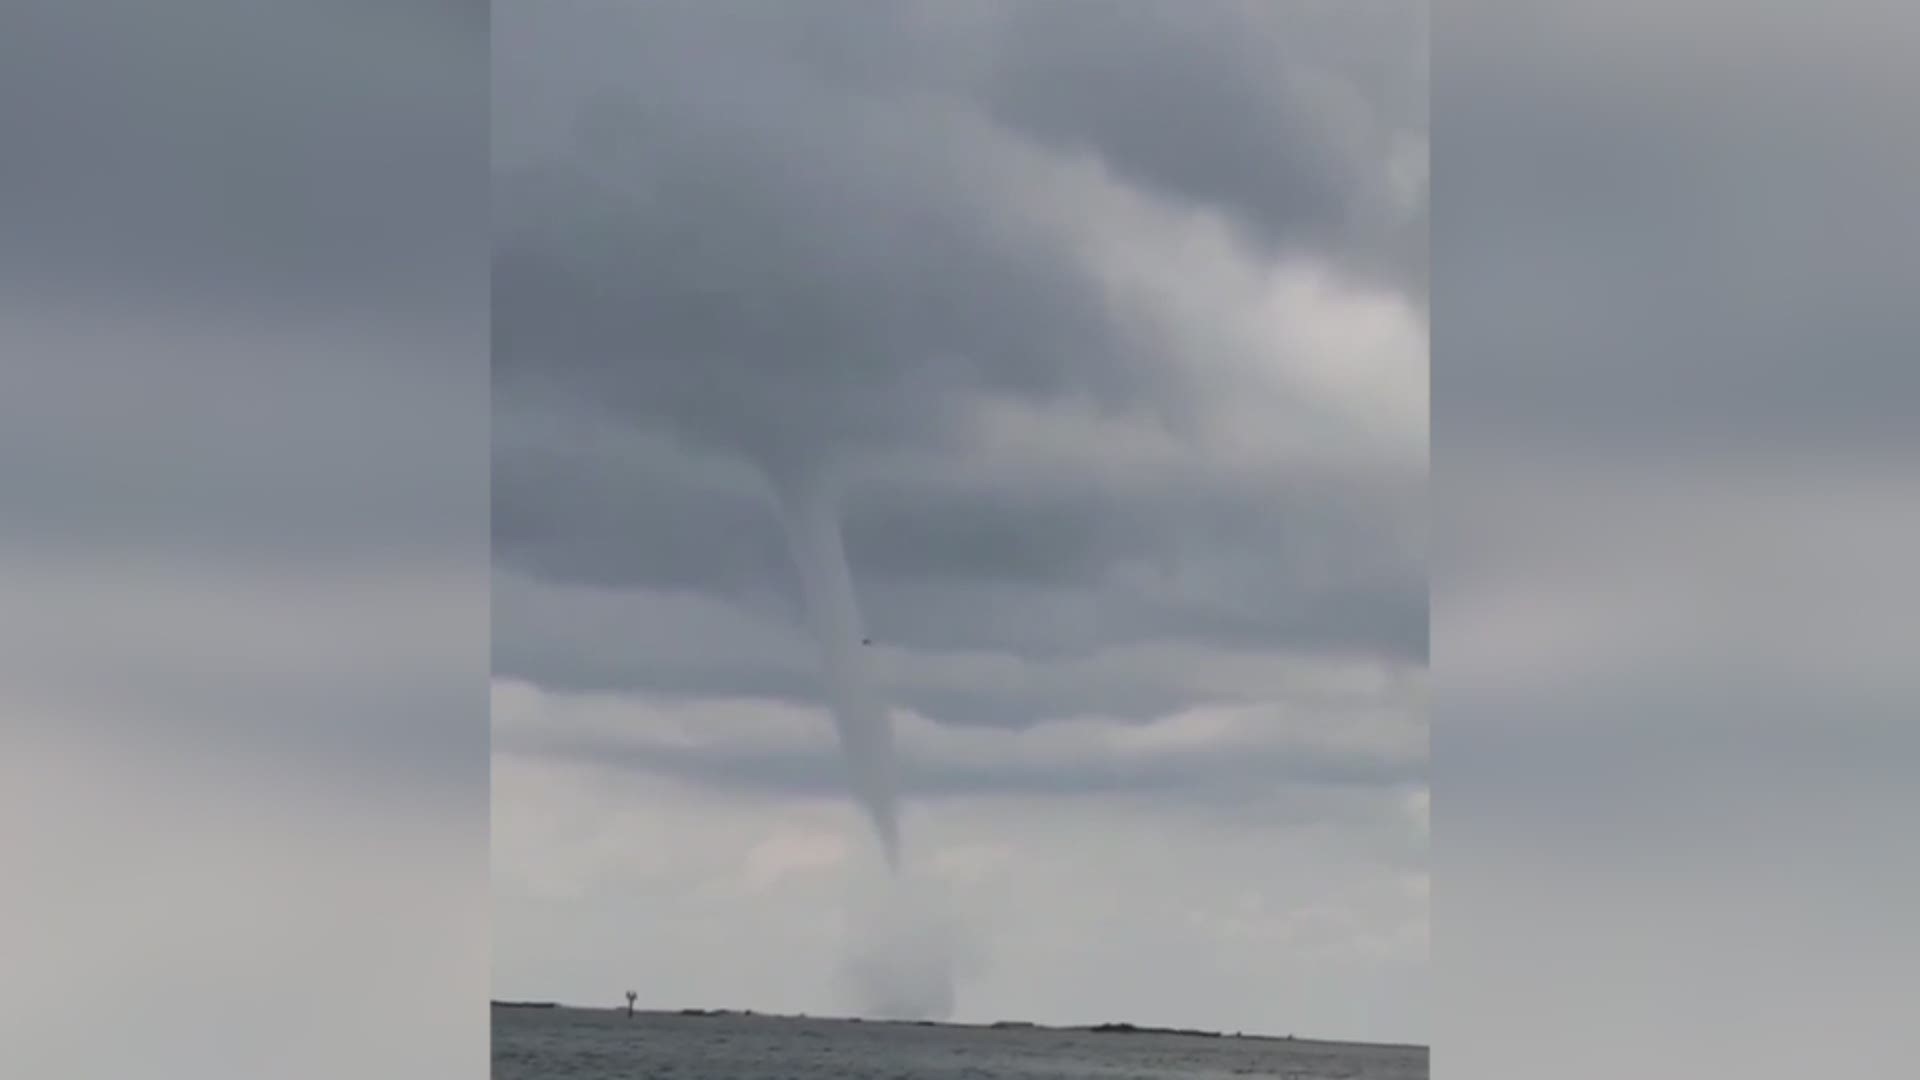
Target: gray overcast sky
pixel 1116 328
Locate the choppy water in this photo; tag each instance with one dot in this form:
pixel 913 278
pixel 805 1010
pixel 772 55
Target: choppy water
pixel 577 1044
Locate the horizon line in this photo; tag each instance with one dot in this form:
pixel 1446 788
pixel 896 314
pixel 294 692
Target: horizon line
pixel 1115 1026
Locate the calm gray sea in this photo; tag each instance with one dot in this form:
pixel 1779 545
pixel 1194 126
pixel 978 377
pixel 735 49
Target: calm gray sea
pixel 580 1044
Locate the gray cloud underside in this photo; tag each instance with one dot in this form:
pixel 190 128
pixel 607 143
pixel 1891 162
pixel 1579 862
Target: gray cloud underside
pixel 1041 570
pixel 769 259
pixel 729 241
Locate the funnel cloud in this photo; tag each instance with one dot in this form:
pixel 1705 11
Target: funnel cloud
pixel 812 517
pixel 900 960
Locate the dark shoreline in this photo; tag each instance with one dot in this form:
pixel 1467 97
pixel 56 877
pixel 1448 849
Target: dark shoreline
pixel 1110 1028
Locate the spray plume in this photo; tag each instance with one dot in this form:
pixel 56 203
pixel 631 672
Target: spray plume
pixel 907 950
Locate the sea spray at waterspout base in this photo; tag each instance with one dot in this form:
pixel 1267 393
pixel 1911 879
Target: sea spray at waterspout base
pixel 812 517
pixel 906 949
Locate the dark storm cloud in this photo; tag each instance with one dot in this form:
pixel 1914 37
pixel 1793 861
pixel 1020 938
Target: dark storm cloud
pixel 1250 107
pixel 788 285
pixel 628 511
pixel 728 239
pixel 731 234
pixel 1037 569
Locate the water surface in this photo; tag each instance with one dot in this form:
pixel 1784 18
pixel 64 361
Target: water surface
pixel 584 1044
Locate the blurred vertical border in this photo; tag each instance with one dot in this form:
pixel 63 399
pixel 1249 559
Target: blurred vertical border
pixel 243 539
pixel 1674 762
